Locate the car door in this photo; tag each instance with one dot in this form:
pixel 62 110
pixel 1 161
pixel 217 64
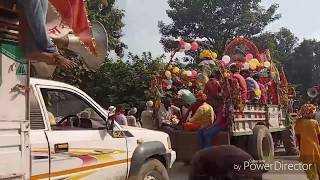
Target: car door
pixel 81 147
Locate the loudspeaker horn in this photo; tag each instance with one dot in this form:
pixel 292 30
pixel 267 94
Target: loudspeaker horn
pixel 313 92
pixel 101 39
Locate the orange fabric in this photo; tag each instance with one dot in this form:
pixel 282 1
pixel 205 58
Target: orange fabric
pixel 191 126
pixel 308 130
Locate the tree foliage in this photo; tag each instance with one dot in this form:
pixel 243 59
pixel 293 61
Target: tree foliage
pixel 281 44
pixel 303 65
pixel 111 18
pixel 216 21
pixel 117 81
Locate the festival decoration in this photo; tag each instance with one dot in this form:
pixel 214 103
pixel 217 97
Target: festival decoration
pixel 194 73
pixel 208 54
pixel 176 70
pixel 168 74
pixel 249 57
pixel 194 46
pixel 185 73
pixel 242 42
pixel 182 44
pixel 187 46
pixel 267 64
pixel 258 92
pixel 206 62
pixel 226 59
pixel 252 66
pixel 170 67
pixel 246 66
pixel 170 81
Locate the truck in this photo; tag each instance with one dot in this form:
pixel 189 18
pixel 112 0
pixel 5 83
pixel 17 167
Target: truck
pixel 256 128
pixel 52 130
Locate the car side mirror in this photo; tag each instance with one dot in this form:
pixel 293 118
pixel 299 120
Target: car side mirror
pixel 110 118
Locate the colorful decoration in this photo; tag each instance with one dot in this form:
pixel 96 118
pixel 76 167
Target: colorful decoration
pixel 182 44
pixel 249 57
pixel 226 59
pixel 176 70
pixel 194 73
pixel 246 66
pixel 194 46
pixel 168 74
pixel 208 54
pixel 258 92
pixel 187 46
pixel 267 64
pixel 241 41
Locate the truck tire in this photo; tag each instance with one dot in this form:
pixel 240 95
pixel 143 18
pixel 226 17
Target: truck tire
pixel 289 142
pixel 152 169
pixel 261 144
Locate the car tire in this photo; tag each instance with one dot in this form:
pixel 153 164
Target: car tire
pixel 152 169
pixel 261 145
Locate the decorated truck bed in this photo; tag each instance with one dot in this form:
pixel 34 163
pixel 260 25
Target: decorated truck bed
pixel 253 127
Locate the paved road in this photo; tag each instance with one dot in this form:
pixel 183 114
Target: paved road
pixel 180 171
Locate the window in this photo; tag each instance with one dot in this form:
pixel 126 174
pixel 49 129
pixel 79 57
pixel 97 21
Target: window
pixel 67 110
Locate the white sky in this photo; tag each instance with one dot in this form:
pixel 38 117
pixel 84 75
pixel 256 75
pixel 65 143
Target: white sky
pixel 142 16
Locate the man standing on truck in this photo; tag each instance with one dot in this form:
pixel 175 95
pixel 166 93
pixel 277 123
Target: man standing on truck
pixel 235 70
pixel 35 40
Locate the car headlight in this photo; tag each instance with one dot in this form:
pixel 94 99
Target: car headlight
pixel 169 142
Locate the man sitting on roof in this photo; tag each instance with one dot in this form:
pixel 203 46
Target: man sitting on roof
pixel 35 40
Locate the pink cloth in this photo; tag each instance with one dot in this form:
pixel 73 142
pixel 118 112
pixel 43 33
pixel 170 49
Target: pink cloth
pixel 243 86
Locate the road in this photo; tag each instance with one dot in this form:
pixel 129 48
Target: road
pixel 180 171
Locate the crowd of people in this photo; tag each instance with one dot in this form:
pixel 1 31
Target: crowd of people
pixel 204 111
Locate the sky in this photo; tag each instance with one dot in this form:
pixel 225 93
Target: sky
pixel 142 34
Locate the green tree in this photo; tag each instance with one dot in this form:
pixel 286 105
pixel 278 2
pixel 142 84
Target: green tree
pixel 281 44
pixel 303 66
pixel 111 17
pixel 117 81
pixel 216 21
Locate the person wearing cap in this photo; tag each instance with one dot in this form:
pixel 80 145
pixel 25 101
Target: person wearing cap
pixel 147 116
pixel 132 120
pixel 203 116
pixel 235 70
pixel 222 162
pixel 167 113
pixel 121 119
pixel 307 132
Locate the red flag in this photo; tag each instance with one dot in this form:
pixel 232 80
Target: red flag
pixel 74 15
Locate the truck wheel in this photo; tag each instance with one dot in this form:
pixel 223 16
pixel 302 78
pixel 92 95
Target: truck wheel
pixel 289 142
pixel 261 144
pixel 153 169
